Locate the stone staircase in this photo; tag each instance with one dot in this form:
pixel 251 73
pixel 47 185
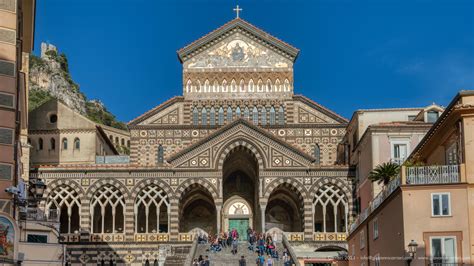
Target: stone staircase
pixel 178 257
pixel 225 257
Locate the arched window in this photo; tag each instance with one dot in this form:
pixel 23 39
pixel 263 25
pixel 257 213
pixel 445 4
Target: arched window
pixel 107 209
pixel 269 86
pixel 237 112
pixel 317 154
pixel 255 115
pixel 122 142
pixel 206 86
pixel 233 86
pixel 251 88
pixel 64 143
pixel 242 86
pixel 263 119
pixel 277 85
pixel 161 152
pixel 77 143
pixel 152 211
pixel 224 86
pixel 272 116
pixel 67 203
pixel 204 116
pixel 52 144
pixel 260 86
pixel 215 87
pixel 221 116
pixel 331 210
pixel 286 86
pixel 189 86
pixel 111 138
pixel 116 141
pixel 281 116
pixel 40 144
pixel 247 113
pixel 229 114
pixel 195 116
pixel 199 86
pixel 212 116
pixel 147 263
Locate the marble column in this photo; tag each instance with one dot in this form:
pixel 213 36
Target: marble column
pixel 262 216
pixel 219 216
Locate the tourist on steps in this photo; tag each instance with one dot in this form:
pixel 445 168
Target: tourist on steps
pixel 269 261
pixel 235 244
pixel 242 261
pixel 260 259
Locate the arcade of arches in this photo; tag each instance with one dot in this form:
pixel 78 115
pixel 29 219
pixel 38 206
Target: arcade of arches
pixel 240 207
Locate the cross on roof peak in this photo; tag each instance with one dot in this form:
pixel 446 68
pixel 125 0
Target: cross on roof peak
pixel 237 10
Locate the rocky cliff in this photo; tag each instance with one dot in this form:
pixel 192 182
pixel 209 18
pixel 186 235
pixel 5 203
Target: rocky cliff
pixel 50 78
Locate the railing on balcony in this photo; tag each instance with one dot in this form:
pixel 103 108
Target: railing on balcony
pixel 112 159
pixel 433 174
pixel 35 214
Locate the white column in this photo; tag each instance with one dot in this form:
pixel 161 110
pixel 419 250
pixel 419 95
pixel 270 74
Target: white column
pixel 102 212
pixel 335 218
pixel 324 218
pixel 262 217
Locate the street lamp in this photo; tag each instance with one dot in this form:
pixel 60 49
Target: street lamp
pixel 36 189
pixel 412 246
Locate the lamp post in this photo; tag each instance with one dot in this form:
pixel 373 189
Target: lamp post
pixel 412 246
pixel 36 189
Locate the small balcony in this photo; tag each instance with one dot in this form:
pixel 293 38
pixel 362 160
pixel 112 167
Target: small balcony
pixel 433 174
pixel 36 214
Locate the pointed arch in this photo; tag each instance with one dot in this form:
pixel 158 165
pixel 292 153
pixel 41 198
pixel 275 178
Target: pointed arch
pixel 107 210
pixel 242 85
pixel 233 86
pixel 152 204
pixel 215 87
pixel 260 86
pixel 204 116
pixel 224 86
pixel 269 85
pixel 272 116
pixel 251 86
pixel 238 113
pixel 246 113
pixel 317 154
pixel 287 85
pixel 255 115
pixel 277 85
pixel 229 114
pixel 195 116
pixel 220 119
pixel 199 86
pixel 212 116
pixel 263 118
pixel 232 144
pixel 207 86
pixel 67 202
pixel 189 86
pixel 331 209
pixel 281 115
pixel 40 144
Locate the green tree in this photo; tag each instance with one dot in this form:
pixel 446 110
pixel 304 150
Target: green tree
pixel 384 173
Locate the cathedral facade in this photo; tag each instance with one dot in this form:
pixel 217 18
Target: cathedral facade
pixel 238 149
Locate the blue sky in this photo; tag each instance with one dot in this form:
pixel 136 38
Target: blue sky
pixel 354 54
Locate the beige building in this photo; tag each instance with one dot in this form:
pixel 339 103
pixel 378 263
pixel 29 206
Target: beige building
pixel 59 135
pixel 376 136
pixel 430 203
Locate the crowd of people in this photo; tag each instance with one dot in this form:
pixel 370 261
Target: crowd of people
pixel 261 244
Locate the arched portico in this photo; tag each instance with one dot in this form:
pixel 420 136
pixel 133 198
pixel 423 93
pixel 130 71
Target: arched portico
pixel 237 213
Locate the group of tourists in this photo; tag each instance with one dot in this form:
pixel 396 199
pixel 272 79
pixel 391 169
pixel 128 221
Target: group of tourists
pixel 260 243
pixel 201 261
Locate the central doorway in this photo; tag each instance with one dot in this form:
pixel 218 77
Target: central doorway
pixel 241 225
pixel 237 215
pixel 240 192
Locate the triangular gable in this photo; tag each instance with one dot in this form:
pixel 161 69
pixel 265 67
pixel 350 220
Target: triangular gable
pixel 248 29
pixel 274 152
pixel 310 112
pixel 156 110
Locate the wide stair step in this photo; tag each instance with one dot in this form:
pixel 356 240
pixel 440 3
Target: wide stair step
pixel 225 257
pixel 179 256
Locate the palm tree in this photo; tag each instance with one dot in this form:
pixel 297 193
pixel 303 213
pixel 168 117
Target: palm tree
pixel 384 173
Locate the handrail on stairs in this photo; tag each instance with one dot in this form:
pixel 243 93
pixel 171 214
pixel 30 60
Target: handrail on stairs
pixel 192 252
pixel 287 245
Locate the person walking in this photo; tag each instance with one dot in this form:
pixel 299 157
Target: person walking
pixel 195 262
pixel 235 244
pixel 260 259
pixel 206 261
pixel 242 261
pixel 269 261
